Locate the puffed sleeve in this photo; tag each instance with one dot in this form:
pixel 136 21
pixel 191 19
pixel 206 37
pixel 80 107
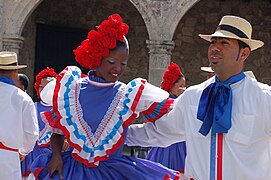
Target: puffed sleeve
pixel 143 97
pixel 47 92
pixel 55 94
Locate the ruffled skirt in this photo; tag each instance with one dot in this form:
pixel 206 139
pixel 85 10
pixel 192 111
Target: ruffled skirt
pixel 26 163
pixel 172 157
pixel 116 168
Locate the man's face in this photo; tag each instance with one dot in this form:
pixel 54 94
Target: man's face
pixel 225 57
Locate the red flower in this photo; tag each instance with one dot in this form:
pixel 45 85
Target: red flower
pixel 48 72
pixel 171 75
pixel 90 53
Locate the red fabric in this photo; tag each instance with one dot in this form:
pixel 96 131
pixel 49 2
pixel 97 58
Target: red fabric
pixel 219 155
pixel 48 72
pixel 165 109
pixel 2 146
pixel 171 75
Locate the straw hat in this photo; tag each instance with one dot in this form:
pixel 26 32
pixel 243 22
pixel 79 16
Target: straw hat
pixel 207 69
pixel 8 61
pixel 236 28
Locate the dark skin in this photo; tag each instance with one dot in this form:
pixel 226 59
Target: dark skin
pixel 56 162
pixel 226 57
pixel 178 87
pixel 112 67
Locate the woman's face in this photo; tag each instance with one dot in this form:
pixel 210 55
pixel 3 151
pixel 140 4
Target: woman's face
pixel 113 66
pixel 178 87
pixel 43 83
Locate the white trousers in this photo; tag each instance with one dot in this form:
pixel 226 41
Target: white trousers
pixel 10 167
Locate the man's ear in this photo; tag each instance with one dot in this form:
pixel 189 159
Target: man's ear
pixel 14 75
pixel 245 52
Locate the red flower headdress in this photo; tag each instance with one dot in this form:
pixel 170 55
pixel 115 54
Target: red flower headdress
pixel 171 75
pixel 48 72
pixel 98 43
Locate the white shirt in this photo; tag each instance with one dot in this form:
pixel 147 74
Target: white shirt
pixel 246 148
pixel 19 125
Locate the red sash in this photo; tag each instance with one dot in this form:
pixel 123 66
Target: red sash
pixel 2 146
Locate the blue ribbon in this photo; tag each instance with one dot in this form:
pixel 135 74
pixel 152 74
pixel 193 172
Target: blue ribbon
pixel 6 80
pixel 215 106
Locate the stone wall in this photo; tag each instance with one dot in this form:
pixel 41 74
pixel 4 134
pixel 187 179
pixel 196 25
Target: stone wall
pixel 190 51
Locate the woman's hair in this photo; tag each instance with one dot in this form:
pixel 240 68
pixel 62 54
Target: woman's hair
pixel 121 45
pixel 98 44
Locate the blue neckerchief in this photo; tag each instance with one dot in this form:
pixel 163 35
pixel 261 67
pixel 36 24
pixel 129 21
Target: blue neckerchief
pixel 6 80
pixel 216 104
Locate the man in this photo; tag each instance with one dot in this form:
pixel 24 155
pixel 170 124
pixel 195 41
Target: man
pixel 225 120
pixel 22 82
pixel 19 126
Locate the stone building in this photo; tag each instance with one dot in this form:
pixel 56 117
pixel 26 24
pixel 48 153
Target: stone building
pixel 44 33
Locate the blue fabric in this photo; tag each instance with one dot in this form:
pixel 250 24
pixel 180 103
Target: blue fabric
pixel 6 80
pixel 213 157
pixel 95 101
pixel 215 106
pixel 41 108
pixel 115 168
pixel 172 156
pixel 26 163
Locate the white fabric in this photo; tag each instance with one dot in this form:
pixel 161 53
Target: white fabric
pixel 19 125
pixel 47 93
pixel 246 147
pixel 9 165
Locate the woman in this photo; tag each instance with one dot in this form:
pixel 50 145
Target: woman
pixel 93 112
pixel 42 146
pixel 173 156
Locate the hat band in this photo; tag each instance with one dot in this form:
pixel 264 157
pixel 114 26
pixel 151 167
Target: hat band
pixel 13 64
pixel 233 30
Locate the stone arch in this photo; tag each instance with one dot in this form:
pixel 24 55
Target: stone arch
pixel 161 19
pixel 17 14
pixel 163 14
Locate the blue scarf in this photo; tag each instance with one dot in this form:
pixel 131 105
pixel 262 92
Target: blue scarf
pixel 6 80
pixel 215 106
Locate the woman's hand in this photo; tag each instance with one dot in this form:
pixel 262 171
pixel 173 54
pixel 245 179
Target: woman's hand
pixel 55 165
pixel 65 146
pixel 22 157
pixel 56 162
